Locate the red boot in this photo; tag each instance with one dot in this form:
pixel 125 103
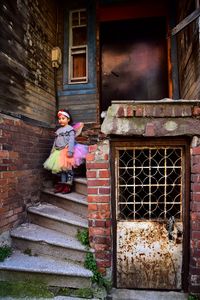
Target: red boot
pixel 66 190
pixel 59 187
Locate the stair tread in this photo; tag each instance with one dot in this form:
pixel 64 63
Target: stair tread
pixel 73 196
pixel 59 214
pixel 36 233
pixel 81 180
pixel 39 264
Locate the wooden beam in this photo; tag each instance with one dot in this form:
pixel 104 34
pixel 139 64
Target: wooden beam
pixel 180 26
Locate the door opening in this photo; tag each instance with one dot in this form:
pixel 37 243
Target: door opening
pixel 133 60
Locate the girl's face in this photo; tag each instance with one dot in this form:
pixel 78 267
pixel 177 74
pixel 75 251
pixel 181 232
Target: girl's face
pixel 63 120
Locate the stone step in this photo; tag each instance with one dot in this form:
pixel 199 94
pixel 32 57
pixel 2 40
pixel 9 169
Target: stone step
pixel 56 218
pixel 74 202
pixel 80 185
pixel 42 241
pixel 53 272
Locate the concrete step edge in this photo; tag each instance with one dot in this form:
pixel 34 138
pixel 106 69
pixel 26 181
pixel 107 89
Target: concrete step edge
pixel 81 180
pixel 58 214
pixel 36 233
pixel 73 196
pixel 39 264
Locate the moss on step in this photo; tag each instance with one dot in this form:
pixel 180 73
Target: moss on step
pixel 24 289
pixel 36 289
pixel 83 237
pixel 81 293
pixel 193 297
pixel 5 251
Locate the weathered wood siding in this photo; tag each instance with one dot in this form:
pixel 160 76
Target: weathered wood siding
pixel 189 53
pixel 27 35
pixel 80 99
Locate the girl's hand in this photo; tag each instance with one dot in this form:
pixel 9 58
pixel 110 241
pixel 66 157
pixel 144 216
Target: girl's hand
pixel 69 154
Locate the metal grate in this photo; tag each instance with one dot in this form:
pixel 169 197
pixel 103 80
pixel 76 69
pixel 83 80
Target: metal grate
pixel 149 183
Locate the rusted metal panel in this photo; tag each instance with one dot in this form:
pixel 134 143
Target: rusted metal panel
pixel 147 257
pixel 149 195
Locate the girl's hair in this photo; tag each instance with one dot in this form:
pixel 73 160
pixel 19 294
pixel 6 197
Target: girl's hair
pixel 66 111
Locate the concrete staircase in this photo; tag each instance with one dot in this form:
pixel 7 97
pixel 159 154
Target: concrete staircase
pixel 46 248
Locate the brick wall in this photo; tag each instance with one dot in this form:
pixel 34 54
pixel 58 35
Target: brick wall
pixel 133 120
pixel 23 149
pixel 99 201
pixel 194 267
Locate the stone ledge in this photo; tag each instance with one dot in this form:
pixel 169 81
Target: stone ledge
pixel 158 109
pixel 161 118
pixel 156 127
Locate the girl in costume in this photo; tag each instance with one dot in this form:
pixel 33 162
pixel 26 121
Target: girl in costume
pixel 66 154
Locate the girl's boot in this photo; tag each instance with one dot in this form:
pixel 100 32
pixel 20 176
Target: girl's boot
pixel 59 188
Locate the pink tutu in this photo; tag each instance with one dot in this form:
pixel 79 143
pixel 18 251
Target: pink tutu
pixel 58 160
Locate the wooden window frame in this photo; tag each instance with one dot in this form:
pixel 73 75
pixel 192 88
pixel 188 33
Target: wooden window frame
pixel 76 50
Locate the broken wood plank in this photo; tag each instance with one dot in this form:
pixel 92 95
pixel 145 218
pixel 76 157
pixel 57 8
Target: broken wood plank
pixel 185 22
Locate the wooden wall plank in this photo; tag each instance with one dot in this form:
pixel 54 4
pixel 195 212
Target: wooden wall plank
pixel 28 33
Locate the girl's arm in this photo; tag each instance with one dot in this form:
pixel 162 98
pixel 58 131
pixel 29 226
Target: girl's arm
pixel 71 143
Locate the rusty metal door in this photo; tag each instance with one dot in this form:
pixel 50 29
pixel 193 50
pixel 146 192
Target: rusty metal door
pixel 149 193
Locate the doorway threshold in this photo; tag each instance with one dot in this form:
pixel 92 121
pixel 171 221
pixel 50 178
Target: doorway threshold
pixel 126 294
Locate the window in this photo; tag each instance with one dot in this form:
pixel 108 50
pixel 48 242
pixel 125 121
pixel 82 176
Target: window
pixel 78 62
pixel 149 183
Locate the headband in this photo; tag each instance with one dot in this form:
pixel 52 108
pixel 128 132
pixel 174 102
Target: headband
pixel 64 113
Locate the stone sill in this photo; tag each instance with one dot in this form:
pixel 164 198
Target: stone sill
pixel 158 109
pixel 153 118
pixel 162 101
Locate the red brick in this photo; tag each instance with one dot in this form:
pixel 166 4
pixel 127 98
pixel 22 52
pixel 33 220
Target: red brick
pixel 92 206
pixel 92 148
pixel 120 112
pixel 91 174
pixel 150 129
pixel 195 187
pixel 100 247
pixel 103 206
pixel 4 154
pixel 98 199
pixel 99 223
pixel 104 263
pixel 196 235
pixel 102 270
pixel 196 111
pixel 195 197
pixel 129 111
pixel 90 157
pixel 104 174
pixel 195 169
pixel 103 165
pixel 105 191
pixel 195 178
pixel 13 155
pixel 139 112
pixel 103 255
pixel 93 191
pixel 99 231
pixel 98 182
pixel 99 215
pixel 196 151
pixel 18 210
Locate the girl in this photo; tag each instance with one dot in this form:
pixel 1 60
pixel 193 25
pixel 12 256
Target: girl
pixel 65 153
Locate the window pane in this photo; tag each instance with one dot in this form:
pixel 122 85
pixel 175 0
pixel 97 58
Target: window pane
pixel 79 36
pixel 75 18
pixel 79 65
pixel 83 18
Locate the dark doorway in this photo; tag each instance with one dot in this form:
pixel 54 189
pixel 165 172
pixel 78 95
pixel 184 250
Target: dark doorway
pixel 133 60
